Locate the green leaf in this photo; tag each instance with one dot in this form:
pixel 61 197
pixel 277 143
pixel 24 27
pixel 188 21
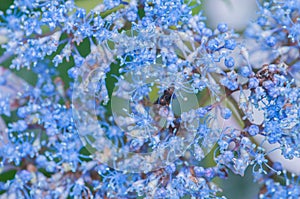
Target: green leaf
pixel 5 4
pixel 7 175
pixel 88 5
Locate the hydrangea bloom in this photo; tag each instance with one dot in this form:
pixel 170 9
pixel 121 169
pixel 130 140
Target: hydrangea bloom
pixel 125 100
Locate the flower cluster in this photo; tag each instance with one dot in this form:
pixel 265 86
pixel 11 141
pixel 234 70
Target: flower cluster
pixel 125 100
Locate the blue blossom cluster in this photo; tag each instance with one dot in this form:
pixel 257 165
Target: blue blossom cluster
pixel 278 22
pixel 131 96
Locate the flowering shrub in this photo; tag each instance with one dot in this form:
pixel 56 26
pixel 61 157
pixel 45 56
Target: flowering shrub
pixel 125 100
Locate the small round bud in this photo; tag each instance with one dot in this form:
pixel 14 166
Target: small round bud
pixel 253 130
pixel 222 27
pixel 229 62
